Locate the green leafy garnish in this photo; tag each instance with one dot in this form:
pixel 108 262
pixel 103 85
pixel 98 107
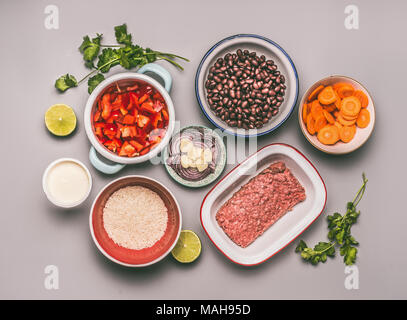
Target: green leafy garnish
pixel 90 49
pixel 65 82
pixel 339 235
pixel 124 53
pixel 94 81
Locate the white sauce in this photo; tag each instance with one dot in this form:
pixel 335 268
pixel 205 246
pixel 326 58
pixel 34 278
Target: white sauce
pixel 67 183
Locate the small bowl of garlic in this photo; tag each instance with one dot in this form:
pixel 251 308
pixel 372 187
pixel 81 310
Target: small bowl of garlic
pixel 195 156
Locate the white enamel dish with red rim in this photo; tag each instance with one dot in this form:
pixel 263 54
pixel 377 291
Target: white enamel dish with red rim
pixel 288 227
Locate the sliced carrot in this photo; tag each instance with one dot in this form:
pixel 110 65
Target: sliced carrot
pixel 305 112
pixel 337 85
pixel 310 124
pixel 320 122
pixel 364 100
pixel 345 122
pixel 348 118
pixel 315 93
pixel 328 117
pixel 328 135
pixel 330 107
pixel 345 90
pixel 336 114
pixel 316 109
pixel 363 119
pixel 338 125
pixel 338 103
pixel 327 96
pixel 347 133
pixel 350 106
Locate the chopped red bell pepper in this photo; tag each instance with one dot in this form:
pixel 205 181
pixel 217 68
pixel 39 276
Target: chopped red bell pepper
pixel 142 120
pixel 165 114
pixel 148 107
pixel 96 117
pixel 157 117
pixel 128 119
pixel 136 145
pixel 106 106
pixel 143 98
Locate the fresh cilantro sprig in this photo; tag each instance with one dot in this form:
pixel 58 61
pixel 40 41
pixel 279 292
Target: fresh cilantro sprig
pixel 339 235
pixel 101 58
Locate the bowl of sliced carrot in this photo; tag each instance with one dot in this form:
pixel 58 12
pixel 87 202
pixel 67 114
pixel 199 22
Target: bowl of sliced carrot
pixel 337 115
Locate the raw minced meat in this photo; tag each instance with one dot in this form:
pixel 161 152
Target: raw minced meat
pixel 259 204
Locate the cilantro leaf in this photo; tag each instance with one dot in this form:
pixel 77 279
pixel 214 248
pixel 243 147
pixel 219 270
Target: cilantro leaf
pixel 107 59
pixel 65 82
pixel 90 48
pixel 121 34
pixel 94 81
pixel 339 234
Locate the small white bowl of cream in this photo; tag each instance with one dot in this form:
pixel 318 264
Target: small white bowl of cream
pixel 67 182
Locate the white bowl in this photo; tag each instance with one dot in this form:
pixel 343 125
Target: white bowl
pixel 122 78
pixel 45 187
pixel 288 227
pixel 260 45
pixel 361 136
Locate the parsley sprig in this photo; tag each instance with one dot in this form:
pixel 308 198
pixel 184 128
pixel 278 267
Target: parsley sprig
pixel 339 235
pixel 124 53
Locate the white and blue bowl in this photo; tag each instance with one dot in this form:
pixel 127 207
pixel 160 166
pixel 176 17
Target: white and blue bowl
pixel 260 45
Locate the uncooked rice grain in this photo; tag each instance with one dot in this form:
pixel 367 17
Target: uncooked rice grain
pixel 135 217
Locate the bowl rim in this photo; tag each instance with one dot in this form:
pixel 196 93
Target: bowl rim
pixel 246 35
pixel 289 242
pixel 44 182
pixel 88 118
pixel 197 185
pixel 306 134
pixel 107 255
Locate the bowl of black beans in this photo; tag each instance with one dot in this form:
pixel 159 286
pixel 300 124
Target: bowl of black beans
pixel 246 85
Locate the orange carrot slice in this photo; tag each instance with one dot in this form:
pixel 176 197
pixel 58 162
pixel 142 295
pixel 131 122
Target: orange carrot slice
pixel 320 122
pixel 316 109
pixel 363 119
pixel 328 117
pixel 305 112
pixel 364 100
pixel 345 90
pixel 315 93
pixel 328 135
pixel 310 124
pixel 327 96
pixel 345 122
pixel 350 106
pixel 347 133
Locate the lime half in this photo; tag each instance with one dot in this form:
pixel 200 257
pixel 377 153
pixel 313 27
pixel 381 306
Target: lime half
pixel 188 247
pixel 60 119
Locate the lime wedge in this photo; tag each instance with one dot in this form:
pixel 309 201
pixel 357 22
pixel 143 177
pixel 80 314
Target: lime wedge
pixel 60 119
pixel 188 247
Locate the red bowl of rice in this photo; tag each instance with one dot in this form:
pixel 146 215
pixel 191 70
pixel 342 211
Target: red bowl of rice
pixel 129 232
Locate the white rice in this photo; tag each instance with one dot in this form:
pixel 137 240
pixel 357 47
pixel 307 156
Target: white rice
pixel 135 217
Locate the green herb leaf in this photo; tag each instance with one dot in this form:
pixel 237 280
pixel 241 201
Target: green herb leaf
pixel 90 48
pixel 339 234
pixel 65 82
pixel 108 58
pixel 121 34
pixel 94 81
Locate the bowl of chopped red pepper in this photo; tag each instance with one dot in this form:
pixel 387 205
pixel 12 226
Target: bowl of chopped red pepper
pixel 129 118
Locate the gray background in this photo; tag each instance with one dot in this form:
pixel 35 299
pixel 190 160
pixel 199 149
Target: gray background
pixel 35 234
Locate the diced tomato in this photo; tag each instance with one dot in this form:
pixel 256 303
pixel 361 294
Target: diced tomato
pixel 136 145
pixel 106 106
pixel 148 107
pixel 158 106
pixel 143 98
pixel 165 115
pixel 123 111
pixel 128 119
pixel 156 118
pixel 96 117
pixel 128 149
pixel 142 120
